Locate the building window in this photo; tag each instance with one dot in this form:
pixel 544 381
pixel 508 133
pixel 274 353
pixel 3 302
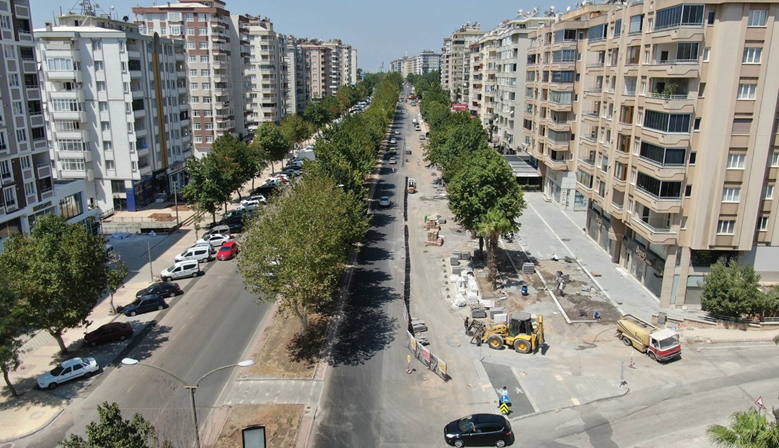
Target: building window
pixel 5 170
pixel 198 126
pixel 21 135
pixel 110 165
pixel 206 86
pixel 746 91
pixel 710 19
pixel 58 64
pixel 107 145
pixel 636 24
pixel 206 100
pixel 101 86
pixel 731 194
pixel 682 15
pixel 726 227
pixel 97 45
pixel 192 59
pixel 9 194
pixel 736 161
pixel 687 191
pixel 71 206
pixel 762 223
pixel 209 126
pixel 768 193
pixel 204 59
pixel 18 108
pixel 195 86
pixel 757 17
pixel 26 162
pixel 117 186
pixel 774 159
pixel 752 55
pixel 193 72
pixel 203 45
pixel 204 72
pixel 741 126
pixel 671 123
pixel 198 139
pixel 209 139
pixel 98 66
pixel 191 45
pixel 29 188
pixel 13 80
pixel 105 126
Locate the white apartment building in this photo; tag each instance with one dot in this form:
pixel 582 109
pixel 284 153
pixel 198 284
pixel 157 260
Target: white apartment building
pixel 327 66
pixel 215 49
pixel 455 61
pixel 427 61
pixel 298 91
pixel 266 74
pixel 115 103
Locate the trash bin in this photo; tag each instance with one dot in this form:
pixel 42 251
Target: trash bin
pixel 662 318
pixel 524 290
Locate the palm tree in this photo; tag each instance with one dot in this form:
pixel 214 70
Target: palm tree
pixel 749 428
pixel 492 227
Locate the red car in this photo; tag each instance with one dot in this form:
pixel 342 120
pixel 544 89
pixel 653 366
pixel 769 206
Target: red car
pixel 115 331
pixel 228 251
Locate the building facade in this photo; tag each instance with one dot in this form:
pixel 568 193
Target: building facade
pixel 267 74
pixel 215 50
pixel 116 106
pixel 455 61
pixel 663 114
pixel 426 62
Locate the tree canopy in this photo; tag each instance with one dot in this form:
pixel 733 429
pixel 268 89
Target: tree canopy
pixel 112 431
pixel 58 272
pixel 295 129
pixel 734 291
pixel 271 141
pixel 747 429
pixel 11 323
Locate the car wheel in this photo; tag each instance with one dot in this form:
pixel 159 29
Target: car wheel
pixel 133 313
pixel 87 374
pixel 626 340
pixel 52 386
pixel 159 307
pixel 459 443
pixel 172 295
pixel 652 356
pixel 495 342
pixel 194 274
pixel 122 337
pixel 522 346
pixel 165 279
pixel 500 443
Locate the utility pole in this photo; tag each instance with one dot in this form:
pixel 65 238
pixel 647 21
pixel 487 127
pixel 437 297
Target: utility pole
pixel 151 269
pixel 176 203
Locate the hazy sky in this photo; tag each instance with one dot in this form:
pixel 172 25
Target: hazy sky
pixel 380 30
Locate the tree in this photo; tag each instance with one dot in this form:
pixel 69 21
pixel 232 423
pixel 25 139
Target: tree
pixel 734 291
pixel 209 185
pixel 485 182
pixel 492 227
pixel 272 142
pixel 58 272
pixel 295 129
pixel 116 275
pixel 296 253
pixel 235 163
pixel 11 321
pixel 317 114
pixel 747 429
pixel 112 431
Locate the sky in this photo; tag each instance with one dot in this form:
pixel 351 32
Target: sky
pixel 380 30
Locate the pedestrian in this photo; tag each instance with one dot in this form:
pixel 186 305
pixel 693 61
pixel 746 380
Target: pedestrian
pixel 504 392
pixel 466 325
pixel 408 364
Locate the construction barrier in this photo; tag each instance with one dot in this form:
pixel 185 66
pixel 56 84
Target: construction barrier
pixel 427 358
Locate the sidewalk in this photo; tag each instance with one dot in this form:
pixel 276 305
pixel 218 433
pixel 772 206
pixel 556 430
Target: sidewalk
pixel 35 409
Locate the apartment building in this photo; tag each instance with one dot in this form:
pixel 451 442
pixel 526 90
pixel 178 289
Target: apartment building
pixel 236 90
pixel 327 65
pixel 664 115
pixel 215 50
pixel 115 103
pixel 267 73
pixel 455 61
pixel 404 66
pixel 425 62
pixel 298 91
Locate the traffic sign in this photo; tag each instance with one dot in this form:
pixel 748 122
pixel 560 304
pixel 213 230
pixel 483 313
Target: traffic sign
pixel 504 409
pixel 759 402
pixel 505 399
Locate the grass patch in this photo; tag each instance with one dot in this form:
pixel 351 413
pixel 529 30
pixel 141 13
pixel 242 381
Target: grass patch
pixel 281 423
pixel 286 354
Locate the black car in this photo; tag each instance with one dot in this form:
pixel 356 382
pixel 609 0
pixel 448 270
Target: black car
pixel 479 430
pixel 164 289
pixel 151 302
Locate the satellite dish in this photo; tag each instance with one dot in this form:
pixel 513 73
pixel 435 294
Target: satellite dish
pixel 567 9
pixel 551 8
pixel 126 19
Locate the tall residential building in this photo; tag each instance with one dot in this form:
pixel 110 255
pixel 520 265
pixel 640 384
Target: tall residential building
pixel 116 108
pixel 404 66
pixel 455 61
pixel 427 61
pixel 297 93
pixel 326 66
pixel 210 34
pixel 267 73
pixel 664 113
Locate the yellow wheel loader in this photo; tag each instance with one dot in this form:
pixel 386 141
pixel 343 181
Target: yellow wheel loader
pixel 523 333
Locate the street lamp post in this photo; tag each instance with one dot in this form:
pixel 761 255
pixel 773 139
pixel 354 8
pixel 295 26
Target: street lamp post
pixel 176 203
pixel 190 387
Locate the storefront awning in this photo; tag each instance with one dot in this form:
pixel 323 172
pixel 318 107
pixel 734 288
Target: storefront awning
pixel 521 167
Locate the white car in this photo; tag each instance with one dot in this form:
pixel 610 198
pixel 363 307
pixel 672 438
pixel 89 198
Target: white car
pixel 215 240
pixel 249 204
pixel 393 161
pixel 68 370
pixel 397 132
pixel 258 197
pixel 384 201
pixel 393 141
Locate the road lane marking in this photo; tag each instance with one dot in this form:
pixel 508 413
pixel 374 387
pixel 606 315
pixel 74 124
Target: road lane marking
pixel 575 402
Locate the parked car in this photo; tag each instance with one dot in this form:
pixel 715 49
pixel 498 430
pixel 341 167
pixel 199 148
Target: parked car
pixel 200 254
pixel 223 229
pixel 258 197
pixel 216 240
pixel 115 331
pixel 393 141
pixel 68 370
pixel 397 132
pixel 151 302
pixel 249 204
pixel 207 245
pixel 228 251
pixel 479 430
pixel 181 269
pixel 235 227
pixel 164 289
pixel 384 201
pixel 392 161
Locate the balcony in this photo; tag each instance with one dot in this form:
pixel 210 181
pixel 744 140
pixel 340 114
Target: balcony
pixel 65 75
pixel 44 170
pixel 80 116
pixel 76 134
pixel 593 90
pixel 556 162
pixel 659 203
pixel 85 155
pixel 656 229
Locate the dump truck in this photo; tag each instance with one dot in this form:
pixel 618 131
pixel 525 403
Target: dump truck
pixel 523 333
pixel 660 344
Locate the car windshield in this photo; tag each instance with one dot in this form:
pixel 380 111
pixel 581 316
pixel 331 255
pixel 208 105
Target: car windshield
pixel 466 424
pixel 670 342
pixel 57 370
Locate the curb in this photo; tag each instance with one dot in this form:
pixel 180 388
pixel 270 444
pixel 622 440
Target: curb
pixel 34 431
pixel 598 400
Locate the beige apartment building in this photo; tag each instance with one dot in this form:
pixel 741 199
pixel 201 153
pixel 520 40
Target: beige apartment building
pixel 327 65
pixel 665 114
pixel 217 48
pixel 455 61
pixel 267 74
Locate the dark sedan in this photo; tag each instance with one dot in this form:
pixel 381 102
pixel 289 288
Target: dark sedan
pixel 479 430
pixel 164 289
pixel 115 331
pixel 152 302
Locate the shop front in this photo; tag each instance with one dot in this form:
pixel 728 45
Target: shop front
pixel 601 229
pixel 643 264
pixel 560 186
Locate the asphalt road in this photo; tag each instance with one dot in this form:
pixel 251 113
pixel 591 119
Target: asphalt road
pixel 209 326
pixel 370 353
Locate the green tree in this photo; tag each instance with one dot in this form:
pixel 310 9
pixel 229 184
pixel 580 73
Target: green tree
pixel 334 107
pixel 58 272
pixel 208 186
pixel 297 252
pixel 295 129
pixel 272 142
pixel 116 276
pixel 485 182
pixel 234 161
pixel 747 429
pixel 733 291
pixel 112 431
pixel 492 227
pixel 11 321
pixel 317 113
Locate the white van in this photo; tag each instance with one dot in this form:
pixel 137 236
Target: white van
pixel 200 254
pixel 181 269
